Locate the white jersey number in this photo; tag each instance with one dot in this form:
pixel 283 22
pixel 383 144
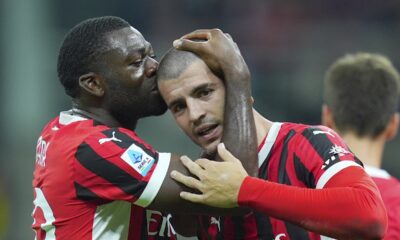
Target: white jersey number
pixel 41 202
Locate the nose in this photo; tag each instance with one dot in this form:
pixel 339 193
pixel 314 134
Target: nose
pixel 196 111
pixel 151 67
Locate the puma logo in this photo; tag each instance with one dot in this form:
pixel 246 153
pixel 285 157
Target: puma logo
pixel 217 222
pixel 113 138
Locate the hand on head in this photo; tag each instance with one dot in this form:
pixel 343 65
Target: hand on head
pixel 218 182
pixel 218 51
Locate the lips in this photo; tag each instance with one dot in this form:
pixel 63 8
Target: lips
pixel 208 132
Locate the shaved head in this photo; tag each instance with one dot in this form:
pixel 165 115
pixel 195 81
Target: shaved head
pixel 174 63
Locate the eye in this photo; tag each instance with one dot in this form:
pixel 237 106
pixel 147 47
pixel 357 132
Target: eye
pixel 205 92
pixel 137 63
pixel 177 108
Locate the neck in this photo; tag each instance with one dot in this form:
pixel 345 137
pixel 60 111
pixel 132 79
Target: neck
pixel 100 115
pixel 263 126
pixel 368 150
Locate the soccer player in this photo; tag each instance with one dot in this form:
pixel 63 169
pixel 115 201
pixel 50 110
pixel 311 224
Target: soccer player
pixel 309 182
pixel 93 175
pixel 361 96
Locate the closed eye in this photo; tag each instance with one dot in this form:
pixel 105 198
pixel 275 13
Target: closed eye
pixel 137 63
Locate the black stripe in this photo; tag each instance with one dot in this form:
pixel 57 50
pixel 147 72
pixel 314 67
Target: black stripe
pixel 220 234
pixel 110 172
pixel 296 232
pixel 302 173
pixel 85 193
pixel 358 161
pixel 238 222
pixel 264 226
pixel 283 176
pixel 263 169
pixel 320 143
pixel 126 141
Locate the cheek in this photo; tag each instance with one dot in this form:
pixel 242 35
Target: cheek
pixel 183 124
pixel 219 106
pixel 139 73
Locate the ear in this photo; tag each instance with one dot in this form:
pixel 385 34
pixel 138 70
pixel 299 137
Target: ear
pixel 92 83
pixel 326 117
pixel 392 127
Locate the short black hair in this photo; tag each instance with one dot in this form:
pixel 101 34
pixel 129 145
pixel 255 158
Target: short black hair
pixel 362 91
pixel 174 62
pixel 81 48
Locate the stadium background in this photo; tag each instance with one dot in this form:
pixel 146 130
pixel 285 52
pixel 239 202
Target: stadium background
pixel 287 44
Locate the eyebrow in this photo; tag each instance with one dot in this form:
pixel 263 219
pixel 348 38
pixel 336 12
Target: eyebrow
pixel 194 90
pixel 139 51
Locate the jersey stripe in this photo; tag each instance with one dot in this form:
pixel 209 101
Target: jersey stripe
pixel 318 142
pixel 295 232
pixel 302 173
pixel 126 140
pixel 269 142
pixel 154 185
pixel 328 174
pixel 113 174
pixel 264 226
pixel 85 193
pixel 283 175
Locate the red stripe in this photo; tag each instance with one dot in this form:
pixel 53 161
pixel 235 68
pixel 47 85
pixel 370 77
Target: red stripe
pixel 262 143
pixel 98 185
pixel 136 222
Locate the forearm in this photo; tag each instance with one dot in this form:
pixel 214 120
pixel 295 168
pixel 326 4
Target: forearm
pixel 342 212
pixel 239 128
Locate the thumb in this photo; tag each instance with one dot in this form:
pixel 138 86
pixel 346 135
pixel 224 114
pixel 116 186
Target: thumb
pixel 225 154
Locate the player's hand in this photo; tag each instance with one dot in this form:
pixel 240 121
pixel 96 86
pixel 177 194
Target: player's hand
pixel 218 51
pixel 218 182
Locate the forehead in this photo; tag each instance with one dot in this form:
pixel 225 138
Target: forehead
pixel 126 39
pixel 197 74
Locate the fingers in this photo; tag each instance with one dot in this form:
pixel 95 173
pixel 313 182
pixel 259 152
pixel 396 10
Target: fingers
pixel 225 154
pixel 186 180
pixel 196 198
pixel 198 34
pixel 188 45
pixel 193 167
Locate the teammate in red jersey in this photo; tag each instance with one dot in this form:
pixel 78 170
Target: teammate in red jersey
pixel 309 182
pixel 361 97
pixel 90 165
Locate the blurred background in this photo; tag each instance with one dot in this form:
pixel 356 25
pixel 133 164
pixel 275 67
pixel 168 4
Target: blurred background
pixel 288 45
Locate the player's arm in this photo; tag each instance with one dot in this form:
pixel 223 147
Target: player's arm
pixel 347 204
pixel 348 207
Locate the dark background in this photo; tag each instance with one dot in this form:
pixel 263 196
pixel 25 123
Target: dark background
pixel 287 44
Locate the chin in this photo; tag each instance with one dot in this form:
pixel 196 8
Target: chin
pixel 212 147
pixel 156 108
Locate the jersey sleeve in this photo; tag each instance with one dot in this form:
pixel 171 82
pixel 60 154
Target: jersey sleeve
pixel 115 164
pixel 323 153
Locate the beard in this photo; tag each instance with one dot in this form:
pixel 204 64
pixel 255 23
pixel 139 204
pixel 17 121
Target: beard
pixel 128 105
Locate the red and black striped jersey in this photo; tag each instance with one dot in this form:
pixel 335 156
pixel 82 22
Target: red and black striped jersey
pixel 389 187
pixel 94 182
pixel 291 154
